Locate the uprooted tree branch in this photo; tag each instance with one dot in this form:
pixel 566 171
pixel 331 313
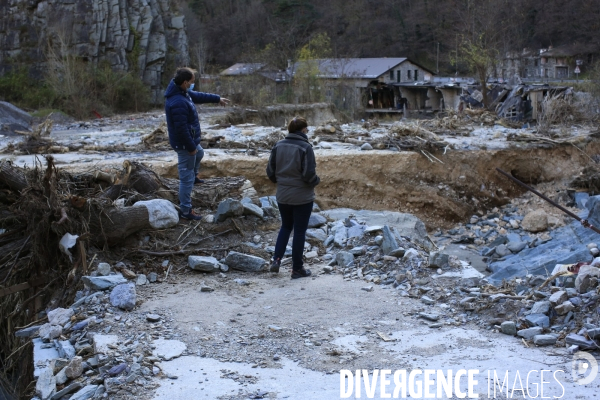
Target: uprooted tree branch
pixel 38 208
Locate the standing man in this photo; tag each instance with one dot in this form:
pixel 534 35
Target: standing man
pixel 292 167
pixel 184 133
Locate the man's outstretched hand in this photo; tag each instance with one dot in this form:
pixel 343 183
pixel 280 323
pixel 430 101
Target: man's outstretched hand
pixel 223 101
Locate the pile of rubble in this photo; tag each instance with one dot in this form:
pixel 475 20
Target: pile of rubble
pixel 75 355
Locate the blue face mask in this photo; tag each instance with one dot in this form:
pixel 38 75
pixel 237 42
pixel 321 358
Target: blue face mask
pixel 191 87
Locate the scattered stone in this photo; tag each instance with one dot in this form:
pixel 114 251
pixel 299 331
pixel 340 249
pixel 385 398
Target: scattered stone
pixel 529 333
pixel 535 221
pixel 152 317
pixel 516 247
pixel 389 241
pixel 502 250
pixel 564 308
pixel 367 288
pixel 594 333
pixel 508 328
pixel 73 387
pixel 438 259
pixel 229 208
pixel 430 317
pixel 74 369
pixel 366 146
pixel 558 297
pixel 244 262
pixel 537 320
pixel 203 263
pixel 410 253
pixel 141 280
pixel 117 369
pixel 327 269
pixel 168 349
pixel 103 282
pixel 103 269
pixel 316 220
pixel 581 341
pixel 540 307
pixel 205 288
pixel 152 277
pixel 253 209
pixel 427 300
pixel 28 332
pixel 60 316
pixel 585 278
pixel 123 296
pixel 85 393
pixel 45 386
pixel 544 340
pixel 49 331
pixel 65 349
pixel 344 259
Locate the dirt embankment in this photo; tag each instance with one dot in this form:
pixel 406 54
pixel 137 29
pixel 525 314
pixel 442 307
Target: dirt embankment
pixel 439 194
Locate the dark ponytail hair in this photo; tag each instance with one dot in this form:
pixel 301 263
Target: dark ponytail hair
pixel 297 124
pixel 183 74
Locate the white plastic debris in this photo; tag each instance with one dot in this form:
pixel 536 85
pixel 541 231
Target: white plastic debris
pixel 66 242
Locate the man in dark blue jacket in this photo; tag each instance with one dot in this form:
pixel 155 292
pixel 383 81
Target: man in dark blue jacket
pixel 184 133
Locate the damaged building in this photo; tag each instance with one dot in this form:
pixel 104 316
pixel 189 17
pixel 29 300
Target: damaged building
pixel 365 83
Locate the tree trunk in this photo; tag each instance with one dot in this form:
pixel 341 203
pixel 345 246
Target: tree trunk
pixel 13 177
pixel 112 225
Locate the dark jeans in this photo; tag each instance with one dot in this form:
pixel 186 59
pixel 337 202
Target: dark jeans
pixel 293 218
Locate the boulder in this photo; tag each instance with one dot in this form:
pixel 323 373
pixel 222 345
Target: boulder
pixel 344 259
pixel 60 316
pixel 438 259
pixel 253 209
pixel 316 221
pixel 244 262
pixel 162 214
pixel 530 332
pixel 586 278
pixel 203 263
pixel 389 241
pixel 12 119
pixel 535 221
pixel 558 297
pixel 229 208
pixel 123 296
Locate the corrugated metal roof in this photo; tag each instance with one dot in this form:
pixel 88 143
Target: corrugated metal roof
pixel 242 69
pixel 370 68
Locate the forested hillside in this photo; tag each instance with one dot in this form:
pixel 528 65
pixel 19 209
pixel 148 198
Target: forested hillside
pixel 223 32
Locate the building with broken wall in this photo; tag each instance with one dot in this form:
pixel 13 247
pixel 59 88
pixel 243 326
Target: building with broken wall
pixel 552 63
pixel 365 83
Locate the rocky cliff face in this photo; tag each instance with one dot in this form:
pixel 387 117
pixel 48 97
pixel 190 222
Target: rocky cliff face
pixel 117 31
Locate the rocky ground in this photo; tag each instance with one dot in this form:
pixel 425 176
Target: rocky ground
pixel 387 292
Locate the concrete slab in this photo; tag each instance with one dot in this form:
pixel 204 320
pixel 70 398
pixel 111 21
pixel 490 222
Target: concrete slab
pixel 200 378
pixel 168 349
pixel 43 353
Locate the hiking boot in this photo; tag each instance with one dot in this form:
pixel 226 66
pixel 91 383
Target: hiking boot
pixel 196 181
pixel 191 216
pixel 275 265
pixel 300 273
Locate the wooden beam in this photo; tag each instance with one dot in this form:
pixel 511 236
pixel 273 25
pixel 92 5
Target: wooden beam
pixel 21 286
